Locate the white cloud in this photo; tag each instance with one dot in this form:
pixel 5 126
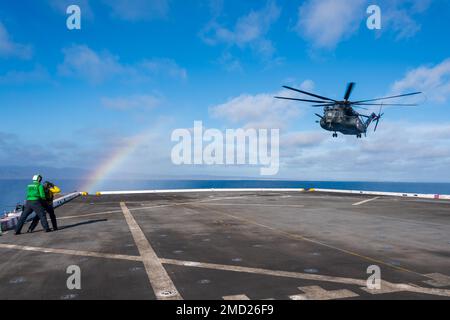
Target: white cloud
pixel 293 142
pixel 249 30
pixel 136 10
pixel 434 81
pixel 18 77
pixel 400 17
pixel 325 23
pixel 83 62
pixel 215 7
pixel 131 102
pixel 9 48
pixel 260 110
pixel 230 63
pixel 401 22
pixel 163 66
pixel 398 151
pixel 307 85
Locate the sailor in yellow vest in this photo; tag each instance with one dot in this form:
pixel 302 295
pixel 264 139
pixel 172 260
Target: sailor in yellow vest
pixel 50 190
pixel 35 202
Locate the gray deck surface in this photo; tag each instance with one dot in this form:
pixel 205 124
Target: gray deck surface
pixel 225 245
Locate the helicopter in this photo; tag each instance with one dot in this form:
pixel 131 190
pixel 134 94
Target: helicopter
pixel 341 116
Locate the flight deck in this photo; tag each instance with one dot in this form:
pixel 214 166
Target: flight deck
pixel 242 245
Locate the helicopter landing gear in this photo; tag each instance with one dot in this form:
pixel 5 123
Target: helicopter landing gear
pixel 335 135
pixel 358 136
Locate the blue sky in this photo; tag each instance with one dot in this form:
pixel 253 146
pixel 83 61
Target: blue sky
pixel 71 98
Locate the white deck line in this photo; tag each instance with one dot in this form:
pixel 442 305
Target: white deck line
pixel 201 190
pixel 361 192
pixel 159 279
pixel 365 201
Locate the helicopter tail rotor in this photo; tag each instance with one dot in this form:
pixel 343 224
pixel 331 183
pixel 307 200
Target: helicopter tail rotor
pixel 377 118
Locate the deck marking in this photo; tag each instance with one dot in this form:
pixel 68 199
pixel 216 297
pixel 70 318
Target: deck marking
pixel 90 214
pixel 299 237
pixel 438 280
pixel 365 201
pixel 71 252
pixel 413 221
pixel 159 279
pixel 273 229
pixel 186 203
pixel 149 207
pixel 317 293
pixel 386 287
pixel 257 205
pixel 236 297
pixel 286 274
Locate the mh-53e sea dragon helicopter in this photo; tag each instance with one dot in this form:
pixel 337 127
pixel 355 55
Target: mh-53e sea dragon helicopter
pixel 340 116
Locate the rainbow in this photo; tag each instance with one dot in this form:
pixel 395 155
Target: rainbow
pixel 112 162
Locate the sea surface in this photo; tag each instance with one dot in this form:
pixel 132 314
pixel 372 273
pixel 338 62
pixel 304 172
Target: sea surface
pixel 12 192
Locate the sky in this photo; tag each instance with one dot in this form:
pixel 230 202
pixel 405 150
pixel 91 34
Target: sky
pixel 137 70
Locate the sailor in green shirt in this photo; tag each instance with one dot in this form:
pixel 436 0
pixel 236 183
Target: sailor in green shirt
pixel 35 199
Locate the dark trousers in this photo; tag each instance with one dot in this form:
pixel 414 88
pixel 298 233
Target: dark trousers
pixel 30 206
pixel 51 212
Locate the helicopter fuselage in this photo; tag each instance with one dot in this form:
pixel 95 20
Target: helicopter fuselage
pixel 340 115
pixel 342 119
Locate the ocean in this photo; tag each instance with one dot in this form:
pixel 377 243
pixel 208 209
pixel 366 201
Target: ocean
pixel 12 192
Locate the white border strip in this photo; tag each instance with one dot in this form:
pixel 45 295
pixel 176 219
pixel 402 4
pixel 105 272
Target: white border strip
pixel 374 193
pixel 391 194
pixel 200 190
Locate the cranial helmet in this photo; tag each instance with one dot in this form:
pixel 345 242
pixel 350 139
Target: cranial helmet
pixel 37 178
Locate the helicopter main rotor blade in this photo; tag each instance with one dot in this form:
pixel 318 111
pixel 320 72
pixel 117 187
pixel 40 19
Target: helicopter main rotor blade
pixel 323 105
pixel 309 94
pixel 305 100
pixel 386 104
pixel 318 115
pixel 350 87
pixel 401 95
